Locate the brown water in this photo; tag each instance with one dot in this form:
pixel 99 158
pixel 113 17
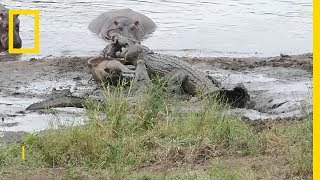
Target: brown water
pixel 184 27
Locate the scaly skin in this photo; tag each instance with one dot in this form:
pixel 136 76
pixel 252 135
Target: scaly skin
pixel 194 80
pixel 58 102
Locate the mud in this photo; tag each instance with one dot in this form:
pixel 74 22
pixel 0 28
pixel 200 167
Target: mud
pixel 280 87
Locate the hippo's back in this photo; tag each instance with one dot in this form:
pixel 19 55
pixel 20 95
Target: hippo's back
pixel 107 17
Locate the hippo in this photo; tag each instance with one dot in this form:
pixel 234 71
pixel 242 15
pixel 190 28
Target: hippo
pixel 126 22
pixel 4 35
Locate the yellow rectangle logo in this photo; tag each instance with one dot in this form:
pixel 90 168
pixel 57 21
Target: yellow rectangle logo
pixel 36 47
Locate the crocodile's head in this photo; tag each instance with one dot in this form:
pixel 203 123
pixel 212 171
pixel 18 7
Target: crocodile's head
pixel 129 49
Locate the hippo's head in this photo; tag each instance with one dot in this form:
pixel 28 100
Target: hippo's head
pixel 4 29
pixel 126 27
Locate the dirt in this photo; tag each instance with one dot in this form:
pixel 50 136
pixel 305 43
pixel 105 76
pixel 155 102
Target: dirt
pixel 302 61
pixel 25 82
pixel 279 87
pixel 272 165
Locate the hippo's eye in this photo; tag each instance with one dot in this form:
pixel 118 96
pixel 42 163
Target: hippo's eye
pixel 134 28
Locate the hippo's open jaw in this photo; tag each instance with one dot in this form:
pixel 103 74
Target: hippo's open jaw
pixel 109 33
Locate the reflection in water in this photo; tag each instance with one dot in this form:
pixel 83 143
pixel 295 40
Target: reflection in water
pixel 185 27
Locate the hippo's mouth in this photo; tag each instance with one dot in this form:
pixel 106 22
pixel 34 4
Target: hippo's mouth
pixel 110 33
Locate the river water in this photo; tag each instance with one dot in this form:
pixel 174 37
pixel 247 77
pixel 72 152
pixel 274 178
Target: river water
pixel 184 27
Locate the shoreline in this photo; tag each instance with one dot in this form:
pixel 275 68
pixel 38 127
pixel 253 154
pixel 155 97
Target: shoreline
pixel 25 82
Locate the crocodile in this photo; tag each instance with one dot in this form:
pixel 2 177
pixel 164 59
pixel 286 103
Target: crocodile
pixel 193 81
pixel 58 98
pixel 148 64
pixel 58 102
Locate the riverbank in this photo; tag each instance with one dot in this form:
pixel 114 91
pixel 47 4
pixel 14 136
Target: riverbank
pixel 156 140
pixel 280 87
pixel 277 129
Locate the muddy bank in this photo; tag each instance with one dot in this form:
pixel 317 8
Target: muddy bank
pixel 302 61
pixel 280 87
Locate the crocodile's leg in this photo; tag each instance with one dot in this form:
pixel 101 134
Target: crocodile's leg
pixel 142 78
pixel 176 82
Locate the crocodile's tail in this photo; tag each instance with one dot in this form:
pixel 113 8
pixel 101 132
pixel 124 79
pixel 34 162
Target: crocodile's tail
pixel 58 102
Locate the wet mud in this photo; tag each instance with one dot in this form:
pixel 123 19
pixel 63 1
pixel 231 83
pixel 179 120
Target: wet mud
pixel 279 87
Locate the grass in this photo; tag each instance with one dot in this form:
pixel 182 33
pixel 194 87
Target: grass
pixel 153 140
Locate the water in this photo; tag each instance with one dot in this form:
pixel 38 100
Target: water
pixel 184 27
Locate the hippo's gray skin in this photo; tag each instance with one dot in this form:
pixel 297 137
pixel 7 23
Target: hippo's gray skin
pixel 126 22
pixel 4 36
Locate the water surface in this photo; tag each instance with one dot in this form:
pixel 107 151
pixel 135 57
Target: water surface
pixel 184 27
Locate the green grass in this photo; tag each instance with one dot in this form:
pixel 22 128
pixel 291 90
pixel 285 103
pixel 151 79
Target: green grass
pixel 298 146
pixel 120 139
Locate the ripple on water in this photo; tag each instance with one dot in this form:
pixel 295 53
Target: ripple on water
pixel 246 26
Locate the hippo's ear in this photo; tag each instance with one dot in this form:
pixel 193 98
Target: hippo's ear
pixel 137 23
pixel 115 23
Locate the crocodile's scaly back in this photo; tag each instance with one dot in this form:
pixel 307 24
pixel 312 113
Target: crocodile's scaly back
pixel 196 81
pixel 165 65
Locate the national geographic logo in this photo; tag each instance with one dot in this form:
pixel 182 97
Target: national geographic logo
pixel 36 48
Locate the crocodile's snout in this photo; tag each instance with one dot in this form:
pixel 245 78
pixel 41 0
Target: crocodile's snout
pixel 122 41
pixel 114 38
